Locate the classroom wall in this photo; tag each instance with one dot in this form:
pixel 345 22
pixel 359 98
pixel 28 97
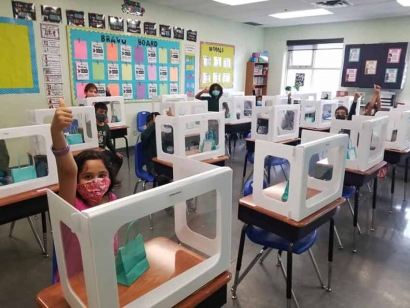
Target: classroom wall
pixel 245 38
pixel 353 32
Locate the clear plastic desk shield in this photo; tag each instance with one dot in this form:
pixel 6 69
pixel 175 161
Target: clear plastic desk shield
pixel 317 114
pixel 398 128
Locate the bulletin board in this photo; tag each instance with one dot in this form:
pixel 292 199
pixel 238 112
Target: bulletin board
pixel 134 66
pixel 217 64
pixel 17 57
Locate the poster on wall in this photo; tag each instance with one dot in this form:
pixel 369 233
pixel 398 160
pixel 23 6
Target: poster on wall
pixel 371 67
pixel 132 8
pixel 391 75
pixel 191 35
pixel 49 31
pixel 190 70
pixel 165 31
pixel 75 18
pixel 51 14
pixel 96 20
pixel 150 28
pixel 394 55
pixel 179 33
pixel 23 10
pixel 116 23
pixel 354 55
pixel 208 71
pixel 300 79
pixel 351 75
pixel 133 26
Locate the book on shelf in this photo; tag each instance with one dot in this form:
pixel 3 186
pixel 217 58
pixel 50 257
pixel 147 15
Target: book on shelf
pixel 259 80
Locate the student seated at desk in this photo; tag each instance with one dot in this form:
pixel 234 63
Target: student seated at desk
pixel 342 113
pixel 259 100
pixel 104 139
pixel 372 107
pixel 84 182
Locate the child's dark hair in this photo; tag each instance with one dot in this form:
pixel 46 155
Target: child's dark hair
pixel 219 87
pixel 86 155
pixel 259 96
pixel 151 116
pixel 90 86
pixel 342 108
pixel 102 106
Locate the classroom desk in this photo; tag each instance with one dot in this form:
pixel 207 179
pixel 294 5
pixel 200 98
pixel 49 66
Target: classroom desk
pixel 27 204
pixel 323 129
pixel 165 167
pixel 159 249
pixel 251 214
pixel 393 157
pixel 121 132
pixel 250 148
pixel 233 128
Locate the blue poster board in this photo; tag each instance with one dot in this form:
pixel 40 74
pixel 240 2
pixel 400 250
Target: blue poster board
pixel 134 66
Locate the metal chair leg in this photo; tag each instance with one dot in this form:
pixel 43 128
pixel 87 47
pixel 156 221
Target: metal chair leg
pixel 33 228
pixel 136 186
pixel 267 252
pixel 351 211
pixel 284 173
pixel 151 221
pixel 143 185
pixel 49 220
pixel 285 276
pixel 368 187
pixel 338 239
pixel 319 276
pixel 11 228
pixel 246 181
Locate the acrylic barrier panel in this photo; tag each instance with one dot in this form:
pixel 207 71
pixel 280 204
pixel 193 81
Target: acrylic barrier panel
pixel 306 186
pixel 226 105
pixel 305 96
pixel 398 128
pixel 170 98
pixel 233 93
pixel 21 168
pixel 241 110
pixel 328 109
pixel 308 114
pixel 81 135
pixel 116 108
pixel 199 136
pixel 195 211
pixel 183 108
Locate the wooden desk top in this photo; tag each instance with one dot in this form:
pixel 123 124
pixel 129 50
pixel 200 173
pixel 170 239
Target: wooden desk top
pixel 119 127
pixel 207 161
pixel 370 171
pixel 276 192
pixel 27 195
pixel 405 151
pixel 250 122
pixel 322 129
pixel 281 142
pixel 167 260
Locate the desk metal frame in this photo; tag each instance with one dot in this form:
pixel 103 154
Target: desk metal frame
pixel 121 132
pixel 233 129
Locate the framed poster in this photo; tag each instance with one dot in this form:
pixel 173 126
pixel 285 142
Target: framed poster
pixel 75 18
pixel 133 26
pixel 51 14
pixel 179 33
pixel 150 28
pixel 371 67
pixel 351 75
pixel 116 23
pixel 300 79
pixel 191 35
pixel 354 55
pixel 165 31
pixel 393 55
pixel 391 75
pixel 216 63
pixel 96 20
pixel 23 10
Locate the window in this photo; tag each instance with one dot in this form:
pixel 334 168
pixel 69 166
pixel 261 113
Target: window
pixel 317 63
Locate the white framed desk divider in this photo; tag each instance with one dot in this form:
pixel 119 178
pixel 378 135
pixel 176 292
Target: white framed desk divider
pixel 317 114
pixel 184 107
pixel 367 140
pixel 116 108
pixel 398 128
pixel 86 122
pixel 167 98
pixel 299 203
pixel 32 131
pixel 268 101
pixel 97 226
pixel 181 130
pixel 282 122
pixel 240 108
pixel 233 93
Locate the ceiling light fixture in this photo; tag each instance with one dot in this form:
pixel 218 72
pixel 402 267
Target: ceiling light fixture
pixel 404 2
pixel 300 14
pixel 238 2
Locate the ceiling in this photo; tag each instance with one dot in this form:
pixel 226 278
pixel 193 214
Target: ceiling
pixel 258 12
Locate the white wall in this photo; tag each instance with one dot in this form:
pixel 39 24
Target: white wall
pixel 245 38
pixel 366 32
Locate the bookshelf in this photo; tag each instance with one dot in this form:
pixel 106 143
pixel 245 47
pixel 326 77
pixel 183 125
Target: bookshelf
pixel 256 74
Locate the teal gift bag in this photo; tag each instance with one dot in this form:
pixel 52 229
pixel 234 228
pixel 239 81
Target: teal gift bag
pixel 131 260
pixel 209 143
pixel 74 137
pixel 22 174
pixel 351 153
pixel 286 192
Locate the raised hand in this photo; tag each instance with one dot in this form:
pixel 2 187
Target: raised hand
pixel 356 95
pixel 63 118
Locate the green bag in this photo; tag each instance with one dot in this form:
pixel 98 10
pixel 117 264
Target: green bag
pixel 131 260
pixel 286 192
pixel 74 137
pixel 22 174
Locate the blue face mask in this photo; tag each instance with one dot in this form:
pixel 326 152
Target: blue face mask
pixel 259 103
pixel 215 93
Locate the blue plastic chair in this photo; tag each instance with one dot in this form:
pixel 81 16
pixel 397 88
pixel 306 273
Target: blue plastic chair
pixel 349 192
pixel 142 121
pixel 143 176
pixel 270 241
pixel 251 160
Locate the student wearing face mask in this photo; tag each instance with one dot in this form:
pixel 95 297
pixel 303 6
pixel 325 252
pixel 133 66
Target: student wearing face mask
pixel 215 92
pixel 343 114
pixel 259 100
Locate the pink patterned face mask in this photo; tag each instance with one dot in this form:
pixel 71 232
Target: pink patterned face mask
pixel 94 190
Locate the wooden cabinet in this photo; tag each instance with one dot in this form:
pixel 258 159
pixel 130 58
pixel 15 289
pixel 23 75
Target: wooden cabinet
pixel 256 74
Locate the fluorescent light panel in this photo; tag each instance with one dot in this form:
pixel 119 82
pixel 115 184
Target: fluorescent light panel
pixel 404 2
pixel 300 14
pixel 238 2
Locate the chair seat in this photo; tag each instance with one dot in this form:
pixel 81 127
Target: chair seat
pixel 251 158
pixel 145 176
pixel 276 161
pixel 265 238
pixel 348 192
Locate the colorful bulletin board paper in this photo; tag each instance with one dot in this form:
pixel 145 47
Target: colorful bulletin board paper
pixel 351 75
pixel 17 57
pixel 391 75
pixel 80 50
pixel 354 55
pixel 163 55
pixel 211 58
pixel 129 64
pixel 371 67
pixel 190 62
pixel 393 55
pixel 163 89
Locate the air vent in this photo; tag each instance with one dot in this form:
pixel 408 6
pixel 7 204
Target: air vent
pixel 332 4
pixel 251 23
